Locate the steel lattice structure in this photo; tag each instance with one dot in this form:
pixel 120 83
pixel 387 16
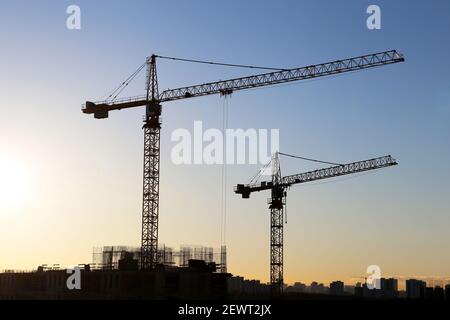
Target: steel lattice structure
pixel 152 126
pixel 279 185
pixel 100 109
pixel 276 205
pixel 150 196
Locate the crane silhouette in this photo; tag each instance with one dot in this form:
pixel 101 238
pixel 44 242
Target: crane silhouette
pixel 277 202
pixel 152 120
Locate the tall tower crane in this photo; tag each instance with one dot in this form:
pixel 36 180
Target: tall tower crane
pixel 152 123
pixel 278 187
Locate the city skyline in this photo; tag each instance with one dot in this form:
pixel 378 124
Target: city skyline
pixel 71 182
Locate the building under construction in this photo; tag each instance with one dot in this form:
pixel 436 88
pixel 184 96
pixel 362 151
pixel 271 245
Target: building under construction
pixel 108 257
pixel 190 273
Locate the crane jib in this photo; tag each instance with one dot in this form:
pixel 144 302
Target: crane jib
pixel 331 172
pixel 100 109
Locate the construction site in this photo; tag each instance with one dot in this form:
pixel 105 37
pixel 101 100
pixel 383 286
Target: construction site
pixel 193 272
pixel 152 271
pixel 107 258
pixel 278 185
pixel 224 159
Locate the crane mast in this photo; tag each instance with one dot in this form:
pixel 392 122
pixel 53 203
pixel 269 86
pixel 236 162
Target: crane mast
pixel 277 202
pixel 152 124
pixel 278 187
pixel 150 196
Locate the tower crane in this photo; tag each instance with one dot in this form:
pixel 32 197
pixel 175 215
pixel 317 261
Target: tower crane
pixel 152 123
pixel 278 187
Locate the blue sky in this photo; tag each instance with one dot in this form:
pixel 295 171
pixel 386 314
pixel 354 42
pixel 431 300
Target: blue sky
pixel 87 173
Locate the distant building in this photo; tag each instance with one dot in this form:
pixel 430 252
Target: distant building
pixel 337 288
pixel 389 288
pixel 297 287
pixel 429 293
pixel 358 290
pixel 236 285
pixel 317 288
pixel 415 289
pixel 402 294
pixel 439 293
pixel 366 292
pixel 349 289
pixel 240 287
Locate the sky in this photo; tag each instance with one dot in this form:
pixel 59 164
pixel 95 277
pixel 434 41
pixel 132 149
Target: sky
pixel 70 182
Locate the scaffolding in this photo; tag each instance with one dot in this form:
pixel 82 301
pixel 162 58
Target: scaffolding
pixel 107 257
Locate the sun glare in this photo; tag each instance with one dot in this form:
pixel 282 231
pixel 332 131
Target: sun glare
pixel 14 184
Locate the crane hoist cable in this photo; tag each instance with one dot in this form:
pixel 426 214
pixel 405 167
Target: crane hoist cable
pixel 285 209
pixel 223 209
